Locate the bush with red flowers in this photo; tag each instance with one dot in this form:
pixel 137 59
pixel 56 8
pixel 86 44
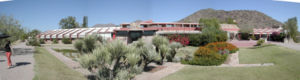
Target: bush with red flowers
pixel 206 57
pixel 184 40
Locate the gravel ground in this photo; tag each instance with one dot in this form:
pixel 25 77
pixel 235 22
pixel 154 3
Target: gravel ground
pixel 22 60
pixel 288 45
pixel 169 69
pixel 69 62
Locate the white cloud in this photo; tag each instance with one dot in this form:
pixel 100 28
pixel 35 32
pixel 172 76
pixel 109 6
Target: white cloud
pixel 294 1
pixel 4 0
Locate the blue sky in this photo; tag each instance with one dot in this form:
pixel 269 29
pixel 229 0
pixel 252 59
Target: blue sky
pixel 46 14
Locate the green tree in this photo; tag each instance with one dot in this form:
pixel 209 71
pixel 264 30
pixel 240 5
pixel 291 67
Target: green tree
pixel 68 23
pixel 214 23
pixel 34 33
pixel 32 40
pixel 292 26
pixel 85 22
pixel 211 30
pixel 11 27
pixel 230 21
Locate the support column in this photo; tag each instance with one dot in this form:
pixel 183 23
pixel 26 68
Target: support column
pixel 259 35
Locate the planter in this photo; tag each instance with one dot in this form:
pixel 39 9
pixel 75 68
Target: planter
pixel 232 59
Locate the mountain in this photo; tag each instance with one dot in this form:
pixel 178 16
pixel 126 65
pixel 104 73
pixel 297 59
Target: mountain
pixel 105 25
pixel 245 19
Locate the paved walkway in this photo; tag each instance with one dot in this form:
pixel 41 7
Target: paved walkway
pixel 168 69
pixel 23 61
pixel 69 62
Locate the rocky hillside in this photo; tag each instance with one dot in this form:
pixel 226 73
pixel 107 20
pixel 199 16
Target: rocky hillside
pixel 246 19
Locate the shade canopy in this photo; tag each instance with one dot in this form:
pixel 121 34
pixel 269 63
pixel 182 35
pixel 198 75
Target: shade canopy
pixel 3 36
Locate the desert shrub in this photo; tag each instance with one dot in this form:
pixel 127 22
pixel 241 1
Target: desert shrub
pixel 78 45
pixel 260 42
pixel 253 37
pixel 89 43
pixel 55 41
pixel 184 40
pixel 33 42
pixel 206 57
pixel 195 39
pixel 277 36
pixel 67 41
pixel 86 45
pixel 23 37
pixel 244 36
pixel 42 41
pixel 217 46
pixel 101 39
pixel 174 46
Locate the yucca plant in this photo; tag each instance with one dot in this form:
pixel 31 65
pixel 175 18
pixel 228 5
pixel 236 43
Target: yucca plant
pixel 163 50
pixel 112 59
pixel 159 41
pixel 147 53
pixel 173 47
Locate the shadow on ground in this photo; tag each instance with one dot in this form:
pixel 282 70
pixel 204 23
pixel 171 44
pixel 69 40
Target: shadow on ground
pixel 153 69
pixel 2 60
pixel 22 63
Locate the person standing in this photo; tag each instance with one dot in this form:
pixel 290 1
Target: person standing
pixel 8 53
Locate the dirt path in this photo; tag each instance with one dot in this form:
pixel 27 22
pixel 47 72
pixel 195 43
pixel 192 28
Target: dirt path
pixel 22 60
pixel 168 69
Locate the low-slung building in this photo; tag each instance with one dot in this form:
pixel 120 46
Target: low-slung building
pixel 75 33
pixel 129 32
pixel 266 32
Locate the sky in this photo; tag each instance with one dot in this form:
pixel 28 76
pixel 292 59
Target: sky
pixel 45 14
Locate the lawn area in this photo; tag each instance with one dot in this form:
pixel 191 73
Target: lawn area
pixel 287 67
pixel 48 67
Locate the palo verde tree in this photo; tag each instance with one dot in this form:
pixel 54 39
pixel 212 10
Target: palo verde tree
pixel 212 31
pixel 10 26
pixel 68 23
pixel 291 26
